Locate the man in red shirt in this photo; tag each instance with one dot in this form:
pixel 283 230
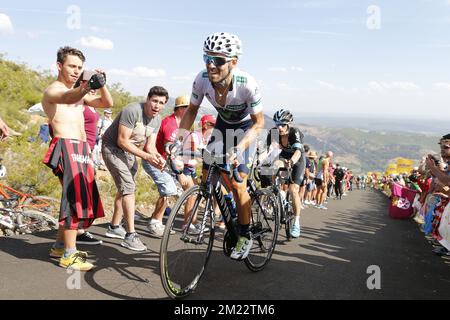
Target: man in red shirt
pixel 169 126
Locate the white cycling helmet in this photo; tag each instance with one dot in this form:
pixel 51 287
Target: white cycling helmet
pixel 2 171
pixel 224 43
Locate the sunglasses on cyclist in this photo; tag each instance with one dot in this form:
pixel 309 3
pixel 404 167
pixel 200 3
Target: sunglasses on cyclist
pixel 281 125
pixel 217 61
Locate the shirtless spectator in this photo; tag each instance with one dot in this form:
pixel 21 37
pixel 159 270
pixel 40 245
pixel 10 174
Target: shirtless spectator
pixel 322 179
pixel 90 127
pixel 68 155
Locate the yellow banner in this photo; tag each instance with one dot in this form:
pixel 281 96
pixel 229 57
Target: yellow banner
pixel 391 169
pixel 405 165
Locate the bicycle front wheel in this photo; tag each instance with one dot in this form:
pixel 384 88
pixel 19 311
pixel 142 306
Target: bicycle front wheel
pixel 185 250
pixel 264 226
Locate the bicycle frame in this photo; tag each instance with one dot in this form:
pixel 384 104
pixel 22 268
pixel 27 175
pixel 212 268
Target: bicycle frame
pixel 213 188
pixel 22 198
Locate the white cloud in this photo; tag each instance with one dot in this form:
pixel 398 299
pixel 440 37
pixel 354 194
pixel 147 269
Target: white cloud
pixel 97 43
pixel 407 86
pixel 285 69
pixel 32 34
pixel 326 85
pixel 141 72
pixel 278 69
pixel 442 85
pixel 298 69
pixel 317 4
pixel 6 26
pixel 145 72
pixel 376 86
pixel 189 77
pixel 381 86
pixel 120 72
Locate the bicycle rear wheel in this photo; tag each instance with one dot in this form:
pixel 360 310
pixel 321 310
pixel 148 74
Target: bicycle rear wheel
pixel 33 220
pixel 264 226
pixel 184 255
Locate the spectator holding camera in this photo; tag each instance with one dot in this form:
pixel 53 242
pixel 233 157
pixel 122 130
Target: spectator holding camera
pixel 68 155
pixel 439 168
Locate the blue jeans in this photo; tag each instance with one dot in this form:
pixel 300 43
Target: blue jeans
pixel 163 180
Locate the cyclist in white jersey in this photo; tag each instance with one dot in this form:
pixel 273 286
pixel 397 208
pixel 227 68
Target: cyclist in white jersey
pixel 236 97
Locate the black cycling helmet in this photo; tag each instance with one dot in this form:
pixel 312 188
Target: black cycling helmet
pixel 283 117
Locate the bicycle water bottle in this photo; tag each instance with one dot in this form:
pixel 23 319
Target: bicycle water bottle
pixel 231 204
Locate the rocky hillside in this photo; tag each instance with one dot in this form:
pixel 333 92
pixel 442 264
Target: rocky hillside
pixel 364 150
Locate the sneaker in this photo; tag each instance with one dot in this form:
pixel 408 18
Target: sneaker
pixel 242 248
pixel 76 261
pixel 441 251
pixel 195 228
pixel 133 242
pixel 295 232
pixel 59 253
pixel 118 233
pixel 88 238
pixel 322 207
pixel 157 230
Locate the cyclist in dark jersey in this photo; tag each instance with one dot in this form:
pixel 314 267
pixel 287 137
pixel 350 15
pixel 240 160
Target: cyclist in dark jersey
pixel 290 141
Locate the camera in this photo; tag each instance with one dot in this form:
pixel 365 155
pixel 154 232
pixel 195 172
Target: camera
pixel 87 74
pixel 435 158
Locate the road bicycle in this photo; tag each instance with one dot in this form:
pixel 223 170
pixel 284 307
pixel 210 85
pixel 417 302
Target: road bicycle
pixel 185 253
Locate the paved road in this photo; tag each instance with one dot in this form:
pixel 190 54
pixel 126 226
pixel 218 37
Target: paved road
pixel 329 261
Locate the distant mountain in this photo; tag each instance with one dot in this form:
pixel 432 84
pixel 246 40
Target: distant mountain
pixel 378 123
pixel 364 150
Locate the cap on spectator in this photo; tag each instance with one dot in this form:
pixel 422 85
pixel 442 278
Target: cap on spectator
pixel 181 101
pixel 207 118
pixel 312 155
pixel 445 139
pixel 108 111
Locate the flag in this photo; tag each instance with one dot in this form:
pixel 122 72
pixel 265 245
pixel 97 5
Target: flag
pixel 402 200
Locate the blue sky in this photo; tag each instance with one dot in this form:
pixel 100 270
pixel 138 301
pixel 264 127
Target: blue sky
pixel 385 58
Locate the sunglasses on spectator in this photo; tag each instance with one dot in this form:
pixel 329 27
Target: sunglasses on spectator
pixel 217 61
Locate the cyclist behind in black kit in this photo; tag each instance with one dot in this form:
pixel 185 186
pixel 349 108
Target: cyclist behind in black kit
pixel 290 141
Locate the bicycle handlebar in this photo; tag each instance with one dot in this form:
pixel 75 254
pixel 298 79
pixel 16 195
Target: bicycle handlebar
pixel 195 154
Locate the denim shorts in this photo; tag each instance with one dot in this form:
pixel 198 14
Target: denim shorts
pixel 163 180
